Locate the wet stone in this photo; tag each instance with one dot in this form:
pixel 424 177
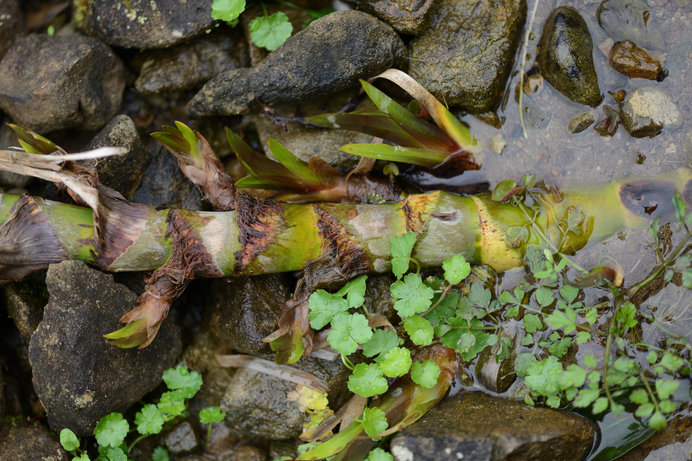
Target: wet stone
pixel 306 143
pixel 479 427
pixel 123 172
pixel 76 374
pixel 11 24
pixel 185 66
pixel 52 83
pixel 181 439
pixel 146 24
pixel 629 20
pixel 24 302
pixel 257 404
pixel 329 56
pixel 627 58
pixel 580 122
pixel 464 58
pixel 407 17
pixel 2 396
pixel 647 110
pixel 29 442
pixel 245 310
pixel 566 57
pixel 164 185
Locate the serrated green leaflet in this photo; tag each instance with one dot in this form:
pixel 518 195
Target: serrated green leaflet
pixel 111 430
pixel 419 330
pixel 401 248
pixel 367 380
pixel 396 362
pixel 456 269
pixel 412 296
pixel 227 10
pixel 381 342
pixel 149 420
pixel 425 374
pixel 211 415
pixel 323 307
pixel 270 32
pixel 348 331
pixel 374 421
pixel 180 378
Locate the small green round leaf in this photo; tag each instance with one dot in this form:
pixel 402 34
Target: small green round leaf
pixel 211 415
pixel 425 374
pixel 111 430
pixel 396 362
pixel 68 440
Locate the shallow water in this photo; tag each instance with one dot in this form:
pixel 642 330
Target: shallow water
pixel 560 158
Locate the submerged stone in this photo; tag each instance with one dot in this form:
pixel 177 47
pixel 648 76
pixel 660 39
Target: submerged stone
pixel 629 20
pixel 479 427
pixel 464 58
pixel 647 110
pixel 566 57
pixel 405 16
pixel 580 122
pixel 52 83
pixel 329 56
pixel 627 58
pixel 146 24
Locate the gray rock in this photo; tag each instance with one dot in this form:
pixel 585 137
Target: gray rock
pixel 181 439
pixel 580 122
pixel 9 138
pixel 29 442
pixel 2 396
pixel 257 405
pixel 76 374
pixel 566 57
pixel 629 20
pixel 405 16
pixel 464 58
pixel 329 56
pixel 185 66
pixel 247 309
pixel 306 143
pixel 52 83
pixel 122 173
pixel 475 427
pixel 11 24
pixel 147 24
pixel 647 110
pixel 24 302
pixel 163 184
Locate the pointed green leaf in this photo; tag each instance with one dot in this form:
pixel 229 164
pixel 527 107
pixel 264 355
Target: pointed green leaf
pixel 427 158
pixel 427 133
pixel 298 167
pixel 374 123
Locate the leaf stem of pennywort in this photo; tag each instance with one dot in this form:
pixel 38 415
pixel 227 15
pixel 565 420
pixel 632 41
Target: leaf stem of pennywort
pixel 136 441
pixel 650 391
pixel 442 296
pixel 655 274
